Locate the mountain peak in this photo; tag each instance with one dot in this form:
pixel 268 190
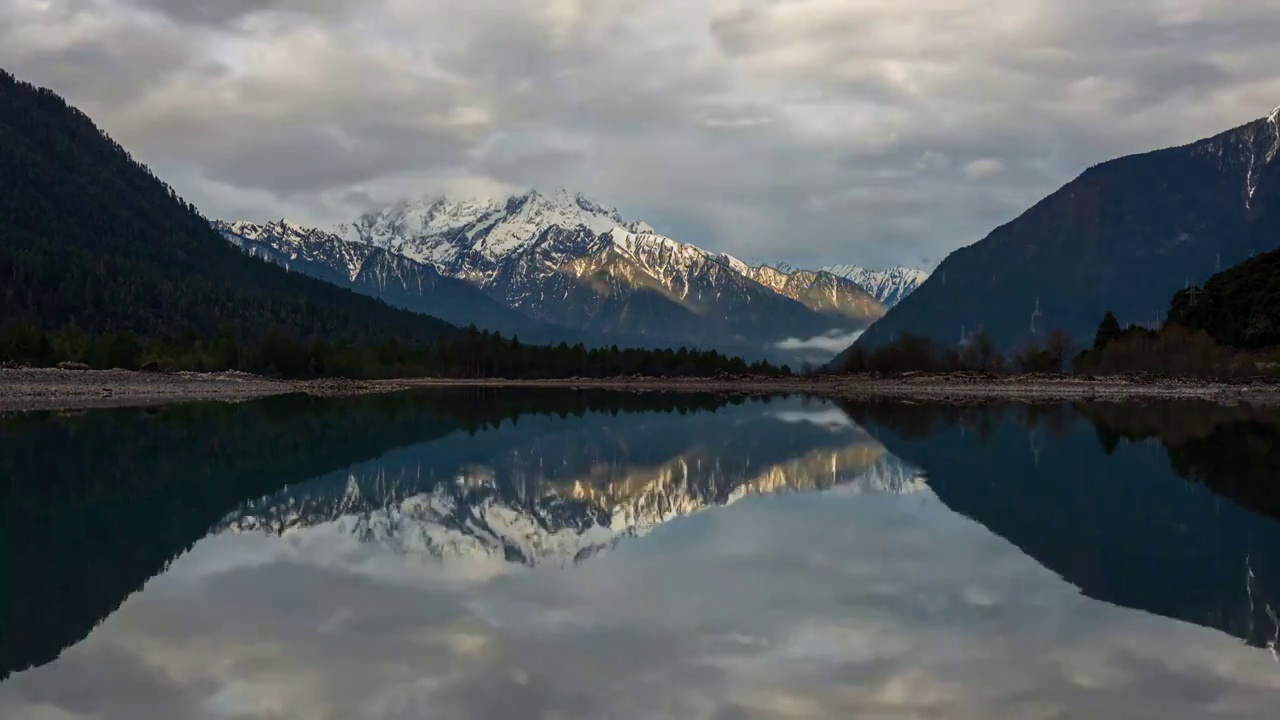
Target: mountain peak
pixel 566 206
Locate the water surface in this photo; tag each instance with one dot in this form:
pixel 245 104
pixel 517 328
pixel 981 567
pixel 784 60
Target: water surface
pixel 557 554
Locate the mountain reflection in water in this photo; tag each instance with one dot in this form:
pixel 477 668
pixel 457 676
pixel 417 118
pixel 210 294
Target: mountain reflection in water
pixel 546 489
pixel 477 554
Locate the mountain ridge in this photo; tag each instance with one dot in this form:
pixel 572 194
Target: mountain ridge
pixel 889 286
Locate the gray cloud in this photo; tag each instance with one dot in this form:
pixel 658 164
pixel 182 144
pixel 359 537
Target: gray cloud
pixel 208 12
pixel 226 12
pixel 813 131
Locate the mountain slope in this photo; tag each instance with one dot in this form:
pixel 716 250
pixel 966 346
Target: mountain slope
pixel 1124 236
pixel 888 286
pixel 90 236
pixel 821 291
pixel 568 261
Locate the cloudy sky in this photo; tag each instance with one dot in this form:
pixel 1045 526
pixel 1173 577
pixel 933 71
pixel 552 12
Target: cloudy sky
pixel 813 131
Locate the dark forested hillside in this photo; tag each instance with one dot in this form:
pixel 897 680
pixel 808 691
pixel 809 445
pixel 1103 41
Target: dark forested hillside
pixel 1239 307
pixel 1231 326
pixel 88 236
pixel 1122 237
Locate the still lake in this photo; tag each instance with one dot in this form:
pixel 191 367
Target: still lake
pixel 563 554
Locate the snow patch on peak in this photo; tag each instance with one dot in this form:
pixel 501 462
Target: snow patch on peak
pixel 405 221
pixel 440 214
pixel 1260 157
pixel 242 228
pixel 590 206
pixel 658 252
pixel 621 237
pixel 527 217
pixel 734 264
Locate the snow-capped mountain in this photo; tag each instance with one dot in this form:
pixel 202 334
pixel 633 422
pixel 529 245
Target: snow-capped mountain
pixel 372 270
pixel 568 261
pixel 298 243
pixel 888 286
pixel 472 238
pixel 478 515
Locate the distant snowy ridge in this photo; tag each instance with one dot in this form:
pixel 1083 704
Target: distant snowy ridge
pixel 888 286
pixel 820 290
pixel 299 243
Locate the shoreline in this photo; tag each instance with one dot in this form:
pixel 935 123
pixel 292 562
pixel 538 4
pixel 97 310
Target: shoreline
pixel 23 389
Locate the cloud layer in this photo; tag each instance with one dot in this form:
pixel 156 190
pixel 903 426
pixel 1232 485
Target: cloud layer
pixel 813 131
pixel 832 342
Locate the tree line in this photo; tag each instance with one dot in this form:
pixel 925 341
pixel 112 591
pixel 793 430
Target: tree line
pixel 979 353
pixel 1171 350
pixel 1229 327
pixel 473 354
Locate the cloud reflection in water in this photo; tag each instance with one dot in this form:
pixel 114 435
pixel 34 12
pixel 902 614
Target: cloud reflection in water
pixel 795 606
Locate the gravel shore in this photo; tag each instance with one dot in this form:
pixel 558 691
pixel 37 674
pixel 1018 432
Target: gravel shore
pixel 50 388
pixel 46 388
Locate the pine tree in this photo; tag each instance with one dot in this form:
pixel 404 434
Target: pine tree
pixel 1108 330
